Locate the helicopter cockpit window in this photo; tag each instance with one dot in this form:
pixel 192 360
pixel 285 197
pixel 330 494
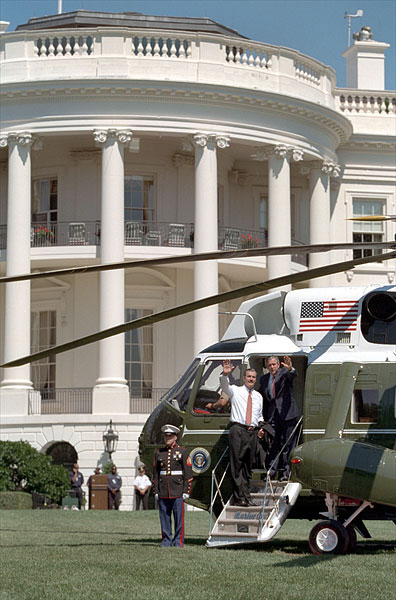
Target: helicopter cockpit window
pixel 209 387
pixel 179 394
pixel 365 405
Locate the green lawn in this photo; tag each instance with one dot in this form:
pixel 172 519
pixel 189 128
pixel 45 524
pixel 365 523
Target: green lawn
pixel 54 555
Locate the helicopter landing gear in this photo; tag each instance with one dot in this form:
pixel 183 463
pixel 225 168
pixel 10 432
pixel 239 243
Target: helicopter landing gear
pixel 328 537
pixel 332 536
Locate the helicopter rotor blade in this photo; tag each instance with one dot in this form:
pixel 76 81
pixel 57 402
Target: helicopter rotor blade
pixel 191 258
pixel 202 303
pixel 373 218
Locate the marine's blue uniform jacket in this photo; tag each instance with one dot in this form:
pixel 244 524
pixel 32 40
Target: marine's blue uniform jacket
pixel 172 472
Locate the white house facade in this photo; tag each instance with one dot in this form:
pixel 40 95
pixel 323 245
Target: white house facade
pixel 128 137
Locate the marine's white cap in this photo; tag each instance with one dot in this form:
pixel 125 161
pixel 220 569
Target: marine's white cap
pixel 170 429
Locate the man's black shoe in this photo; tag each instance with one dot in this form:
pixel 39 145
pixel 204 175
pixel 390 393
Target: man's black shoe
pixel 239 503
pixel 251 502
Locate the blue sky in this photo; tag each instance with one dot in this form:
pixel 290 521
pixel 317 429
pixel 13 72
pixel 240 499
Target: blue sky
pixel 315 27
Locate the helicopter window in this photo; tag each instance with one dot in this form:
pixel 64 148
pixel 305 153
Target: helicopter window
pixel 179 394
pixel 209 387
pixel 365 405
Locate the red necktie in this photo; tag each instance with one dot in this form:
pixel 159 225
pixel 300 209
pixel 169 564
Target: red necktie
pixel 248 419
pixel 273 388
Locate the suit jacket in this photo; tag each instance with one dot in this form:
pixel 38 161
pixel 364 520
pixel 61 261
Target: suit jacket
pixel 284 402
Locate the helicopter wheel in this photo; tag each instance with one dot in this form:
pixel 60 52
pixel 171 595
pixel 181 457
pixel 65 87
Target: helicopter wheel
pixel 329 537
pixel 352 538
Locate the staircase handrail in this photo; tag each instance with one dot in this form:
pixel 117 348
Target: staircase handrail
pixel 213 495
pixel 268 482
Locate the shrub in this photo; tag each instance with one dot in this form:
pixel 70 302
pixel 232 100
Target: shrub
pixel 25 469
pixel 15 501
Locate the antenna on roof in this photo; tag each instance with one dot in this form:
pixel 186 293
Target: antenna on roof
pixel 59 7
pixel 359 13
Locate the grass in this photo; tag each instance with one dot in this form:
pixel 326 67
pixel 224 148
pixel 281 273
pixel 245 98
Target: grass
pixel 58 555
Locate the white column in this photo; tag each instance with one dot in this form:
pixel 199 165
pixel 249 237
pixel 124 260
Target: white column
pixel 279 213
pixel 319 228
pixel 206 328
pixel 111 391
pixel 17 294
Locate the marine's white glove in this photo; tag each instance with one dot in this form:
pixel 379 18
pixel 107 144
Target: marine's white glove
pixel 156 496
pixel 185 496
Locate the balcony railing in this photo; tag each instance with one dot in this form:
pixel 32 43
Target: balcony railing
pixel 144 233
pixel 60 401
pixel 145 401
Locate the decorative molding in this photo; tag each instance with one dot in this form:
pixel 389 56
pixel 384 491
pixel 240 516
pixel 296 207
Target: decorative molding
pixel 182 160
pixel 391 276
pixel 329 118
pixel 91 154
pixel 326 166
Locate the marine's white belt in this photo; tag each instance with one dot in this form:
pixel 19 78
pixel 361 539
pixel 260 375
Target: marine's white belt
pixel 171 472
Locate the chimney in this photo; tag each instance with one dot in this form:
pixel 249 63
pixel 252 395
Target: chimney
pixel 365 62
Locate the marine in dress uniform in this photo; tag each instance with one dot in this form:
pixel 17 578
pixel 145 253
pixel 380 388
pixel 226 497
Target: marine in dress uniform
pixel 172 479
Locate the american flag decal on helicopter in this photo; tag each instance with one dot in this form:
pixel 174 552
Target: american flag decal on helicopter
pixel 331 315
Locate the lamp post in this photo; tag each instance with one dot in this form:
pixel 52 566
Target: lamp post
pixel 110 439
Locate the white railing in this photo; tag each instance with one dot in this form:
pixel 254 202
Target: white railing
pixel 306 70
pixel 366 102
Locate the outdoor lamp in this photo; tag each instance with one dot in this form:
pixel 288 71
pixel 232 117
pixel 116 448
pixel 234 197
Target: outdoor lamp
pixel 110 439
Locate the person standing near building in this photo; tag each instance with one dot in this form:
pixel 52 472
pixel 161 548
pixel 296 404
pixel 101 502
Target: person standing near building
pixel 142 485
pixel 172 476
pixel 114 483
pixel 76 481
pixel 246 413
pixel 281 411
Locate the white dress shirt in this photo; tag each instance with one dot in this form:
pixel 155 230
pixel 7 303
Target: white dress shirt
pixel 142 481
pixel 238 396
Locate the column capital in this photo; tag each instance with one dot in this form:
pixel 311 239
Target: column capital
pixel 124 136
pixel 217 139
pixel 280 151
pixel 326 166
pixel 22 138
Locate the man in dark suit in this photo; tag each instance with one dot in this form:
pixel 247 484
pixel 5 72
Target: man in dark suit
pixel 280 409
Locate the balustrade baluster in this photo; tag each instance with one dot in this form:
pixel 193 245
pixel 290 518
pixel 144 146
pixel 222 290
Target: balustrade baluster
pixel 149 49
pixel 251 59
pixel 156 49
pixel 59 49
pixel 182 52
pixel 76 48
pixel 173 50
pixel 257 60
pixel 35 50
pixel 51 50
pixel 140 49
pixel 238 57
pixel 43 50
pixel 84 49
pixel 68 48
pixel 189 50
pixel 244 58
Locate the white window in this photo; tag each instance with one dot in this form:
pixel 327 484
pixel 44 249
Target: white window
pixel 139 198
pixel 43 329
pixel 45 200
pixel 367 231
pixel 139 355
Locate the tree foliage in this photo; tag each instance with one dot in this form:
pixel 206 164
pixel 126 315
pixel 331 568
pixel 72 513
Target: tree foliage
pixel 24 468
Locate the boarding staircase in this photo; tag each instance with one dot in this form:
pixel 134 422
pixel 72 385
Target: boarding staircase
pixel 250 524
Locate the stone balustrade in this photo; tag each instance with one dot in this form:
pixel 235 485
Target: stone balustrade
pixel 207 58
pixel 366 102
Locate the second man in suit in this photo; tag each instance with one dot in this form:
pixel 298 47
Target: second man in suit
pixel 280 409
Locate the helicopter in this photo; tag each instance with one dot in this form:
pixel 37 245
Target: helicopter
pixel 341 341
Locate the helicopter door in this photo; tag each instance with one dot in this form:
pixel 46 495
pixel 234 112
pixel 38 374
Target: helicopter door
pixel 199 414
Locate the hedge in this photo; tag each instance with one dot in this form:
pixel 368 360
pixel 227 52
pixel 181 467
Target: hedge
pixel 15 501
